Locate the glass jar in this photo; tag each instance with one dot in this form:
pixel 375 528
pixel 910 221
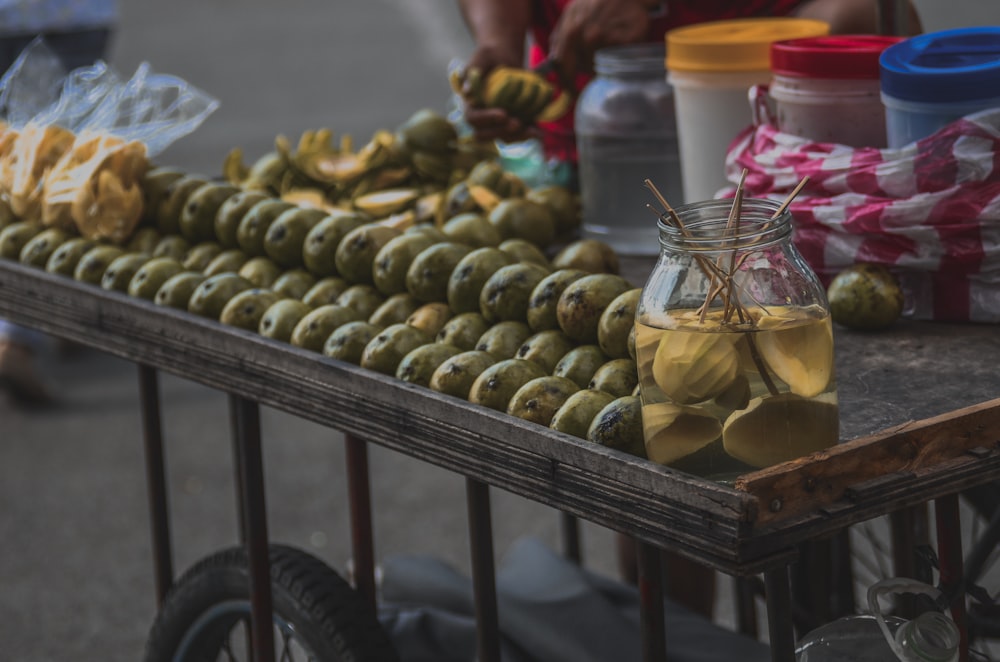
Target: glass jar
pixel 626 133
pixel 734 344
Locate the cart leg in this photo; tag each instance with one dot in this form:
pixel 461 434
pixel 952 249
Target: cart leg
pixel 235 429
pixel 649 563
pixel 253 515
pixel 359 497
pixel 746 606
pixel 843 599
pixel 778 592
pixel 483 571
pixel 909 529
pixel 813 584
pixel 949 532
pixel 570 537
pixel 156 482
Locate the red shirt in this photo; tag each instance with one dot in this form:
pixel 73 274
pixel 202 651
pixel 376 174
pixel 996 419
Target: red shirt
pixel 557 137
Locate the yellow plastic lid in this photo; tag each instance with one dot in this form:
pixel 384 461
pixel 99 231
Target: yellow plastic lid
pixel 742 44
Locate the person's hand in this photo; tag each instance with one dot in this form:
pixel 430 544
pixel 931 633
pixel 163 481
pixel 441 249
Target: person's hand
pixel 493 123
pixel 587 25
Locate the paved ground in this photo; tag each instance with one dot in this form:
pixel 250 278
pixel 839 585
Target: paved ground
pixel 75 567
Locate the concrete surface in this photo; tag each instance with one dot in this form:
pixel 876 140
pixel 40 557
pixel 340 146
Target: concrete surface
pixel 75 565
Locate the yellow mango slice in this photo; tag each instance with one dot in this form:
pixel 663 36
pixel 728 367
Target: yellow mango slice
pixel 777 428
pixel 674 431
pixel 692 367
pixel 800 354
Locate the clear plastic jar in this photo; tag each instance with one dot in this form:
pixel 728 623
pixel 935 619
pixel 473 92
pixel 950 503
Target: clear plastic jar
pixel 734 344
pixel 875 637
pixel 626 133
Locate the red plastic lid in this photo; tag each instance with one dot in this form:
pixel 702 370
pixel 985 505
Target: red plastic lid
pixel 837 56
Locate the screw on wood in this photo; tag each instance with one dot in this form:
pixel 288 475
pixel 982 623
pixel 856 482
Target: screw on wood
pixel 776 505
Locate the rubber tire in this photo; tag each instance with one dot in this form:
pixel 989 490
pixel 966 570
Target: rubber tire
pixel 327 614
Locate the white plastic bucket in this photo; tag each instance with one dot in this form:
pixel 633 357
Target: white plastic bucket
pixel 712 67
pixel 712 109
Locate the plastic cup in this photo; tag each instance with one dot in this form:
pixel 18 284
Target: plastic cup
pixel 712 67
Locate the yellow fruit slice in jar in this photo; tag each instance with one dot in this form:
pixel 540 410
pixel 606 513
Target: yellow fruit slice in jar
pixel 692 367
pixel 674 431
pixel 777 428
pixel 798 351
pixel 647 339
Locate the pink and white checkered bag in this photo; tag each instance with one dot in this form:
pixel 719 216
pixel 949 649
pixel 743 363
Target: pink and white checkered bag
pixel 930 210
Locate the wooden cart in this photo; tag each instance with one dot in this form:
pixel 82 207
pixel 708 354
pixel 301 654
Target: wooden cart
pixel 918 424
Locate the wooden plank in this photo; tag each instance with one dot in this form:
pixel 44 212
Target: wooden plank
pixel 880 496
pixel 817 480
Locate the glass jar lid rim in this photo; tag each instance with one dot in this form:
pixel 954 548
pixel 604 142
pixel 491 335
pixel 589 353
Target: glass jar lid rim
pixel 758 219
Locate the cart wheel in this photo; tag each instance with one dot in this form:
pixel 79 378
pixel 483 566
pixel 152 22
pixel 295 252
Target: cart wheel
pixel 317 615
pixel 871 551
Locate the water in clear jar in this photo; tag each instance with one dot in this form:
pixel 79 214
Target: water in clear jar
pixel 611 174
pixel 723 398
pixel 625 133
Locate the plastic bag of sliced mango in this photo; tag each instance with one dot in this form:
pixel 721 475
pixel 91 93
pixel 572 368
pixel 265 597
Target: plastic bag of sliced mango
pixel 74 146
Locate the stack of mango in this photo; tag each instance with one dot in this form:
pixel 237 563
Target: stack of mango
pixel 416 256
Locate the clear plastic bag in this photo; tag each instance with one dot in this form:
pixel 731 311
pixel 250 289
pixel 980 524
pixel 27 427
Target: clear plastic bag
pixel 75 146
pixel 154 109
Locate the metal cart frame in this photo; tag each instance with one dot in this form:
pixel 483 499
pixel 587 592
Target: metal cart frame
pixel 755 527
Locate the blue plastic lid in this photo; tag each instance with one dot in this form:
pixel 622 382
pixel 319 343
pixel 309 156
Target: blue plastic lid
pixel 946 66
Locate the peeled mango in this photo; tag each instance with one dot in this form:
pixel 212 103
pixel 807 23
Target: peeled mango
pixel 801 355
pixel 865 296
pixel 692 367
pixel 777 428
pixel 675 431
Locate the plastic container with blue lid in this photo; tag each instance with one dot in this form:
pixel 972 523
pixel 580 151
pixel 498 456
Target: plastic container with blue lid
pixel 931 80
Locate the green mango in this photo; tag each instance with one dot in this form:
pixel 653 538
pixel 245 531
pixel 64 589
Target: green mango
pixel 287 234
pixel 212 295
pixel 197 219
pixel 316 326
pixel 280 319
pixel 15 236
pixel 151 276
pixel 92 264
pixel 119 273
pixel 456 374
pixel 245 309
pixel 65 258
pixel 253 226
pixel 167 217
pixel 176 291
pixel 320 246
pixel 39 249
pixel 231 212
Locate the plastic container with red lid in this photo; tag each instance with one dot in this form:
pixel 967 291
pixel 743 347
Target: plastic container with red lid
pixel 827 88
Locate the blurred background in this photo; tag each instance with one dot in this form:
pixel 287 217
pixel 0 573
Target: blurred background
pixel 75 565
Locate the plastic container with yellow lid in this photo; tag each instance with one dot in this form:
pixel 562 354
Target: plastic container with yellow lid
pixel 712 67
